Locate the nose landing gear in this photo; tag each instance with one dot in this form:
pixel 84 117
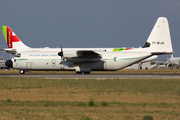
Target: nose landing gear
pixel 22 71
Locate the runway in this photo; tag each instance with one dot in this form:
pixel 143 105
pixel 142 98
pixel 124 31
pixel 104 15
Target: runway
pixel 96 76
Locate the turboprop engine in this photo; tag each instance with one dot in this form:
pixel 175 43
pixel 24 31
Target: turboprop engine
pixel 70 54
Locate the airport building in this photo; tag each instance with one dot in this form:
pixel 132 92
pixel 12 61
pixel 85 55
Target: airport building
pixel 146 65
pixel 2 63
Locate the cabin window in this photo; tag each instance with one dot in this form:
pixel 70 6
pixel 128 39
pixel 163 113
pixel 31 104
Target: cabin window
pixel 14 60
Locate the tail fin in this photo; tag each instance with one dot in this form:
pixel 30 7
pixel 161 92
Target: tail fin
pixel 159 41
pixel 11 39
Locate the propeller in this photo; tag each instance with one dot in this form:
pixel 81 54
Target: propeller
pixel 61 53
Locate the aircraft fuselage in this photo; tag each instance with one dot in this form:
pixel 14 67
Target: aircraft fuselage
pixel 51 61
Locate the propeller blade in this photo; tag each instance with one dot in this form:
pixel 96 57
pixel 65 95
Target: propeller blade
pixel 61 53
pixel 61 48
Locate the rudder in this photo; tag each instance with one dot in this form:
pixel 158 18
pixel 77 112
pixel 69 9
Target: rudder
pixel 159 40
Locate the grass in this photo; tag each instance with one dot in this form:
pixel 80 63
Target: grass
pixel 123 71
pixel 89 99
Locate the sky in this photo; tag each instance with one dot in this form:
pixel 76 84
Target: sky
pixel 87 23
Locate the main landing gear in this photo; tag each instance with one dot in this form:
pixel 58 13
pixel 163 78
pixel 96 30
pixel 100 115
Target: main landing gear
pixel 84 72
pixel 22 71
pixel 87 72
pixel 78 72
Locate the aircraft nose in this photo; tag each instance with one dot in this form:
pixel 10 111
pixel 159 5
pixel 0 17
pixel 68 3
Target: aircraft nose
pixel 9 63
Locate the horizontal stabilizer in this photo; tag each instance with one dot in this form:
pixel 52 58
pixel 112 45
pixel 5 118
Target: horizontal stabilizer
pixel 11 51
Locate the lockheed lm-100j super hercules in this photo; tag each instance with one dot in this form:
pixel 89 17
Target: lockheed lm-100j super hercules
pixel 86 59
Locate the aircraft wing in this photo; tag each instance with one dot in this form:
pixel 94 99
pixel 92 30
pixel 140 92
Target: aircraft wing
pixel 11 51
pixel 78 53
pixel 88 53
pixel 79 56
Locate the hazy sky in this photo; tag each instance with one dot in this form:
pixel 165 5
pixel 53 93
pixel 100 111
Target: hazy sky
pixel 87 23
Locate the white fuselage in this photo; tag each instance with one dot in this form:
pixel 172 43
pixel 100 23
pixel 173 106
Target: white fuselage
pixel 113 50
pixel 49 60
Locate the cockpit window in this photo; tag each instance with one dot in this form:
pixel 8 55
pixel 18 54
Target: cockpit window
pixel 17 55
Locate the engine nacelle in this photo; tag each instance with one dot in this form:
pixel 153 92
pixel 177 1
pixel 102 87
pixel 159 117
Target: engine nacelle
pixel 67 65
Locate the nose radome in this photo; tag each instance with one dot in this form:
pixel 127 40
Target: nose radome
pixel 9 63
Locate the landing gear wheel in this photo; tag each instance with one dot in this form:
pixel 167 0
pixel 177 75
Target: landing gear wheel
pixel 79 72
pixel 140 68
pixel 22 71
pixel 86 72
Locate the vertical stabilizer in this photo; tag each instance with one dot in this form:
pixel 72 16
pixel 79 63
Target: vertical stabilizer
pixel 11 39
pixel 159 41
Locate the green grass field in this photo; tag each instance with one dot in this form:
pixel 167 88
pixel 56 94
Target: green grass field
pixel 69 99
pixel 124 71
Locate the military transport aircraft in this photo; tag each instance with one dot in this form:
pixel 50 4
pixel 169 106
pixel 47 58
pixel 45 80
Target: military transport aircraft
pixel 86 59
